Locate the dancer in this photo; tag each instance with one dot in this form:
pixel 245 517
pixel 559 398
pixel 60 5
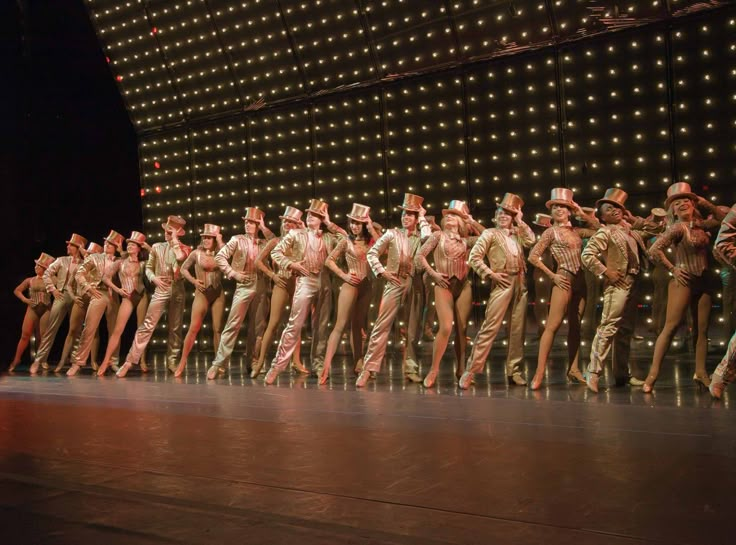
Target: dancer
pixel 542 284
pixel 503 246
pixel 283 290
pixel 132 292
pixel 693 283
pixel 38 304
pixel 163 270
pixel 453 295
pixel 429 314
pixel 401 244
pixel 304 252
pixel 355 292
pixel 89 278
pixel 622 249
pixel 59 281
pixel 660 279
pixel 568 292
pixel 725 249
pixel 208 292
pixel 242 250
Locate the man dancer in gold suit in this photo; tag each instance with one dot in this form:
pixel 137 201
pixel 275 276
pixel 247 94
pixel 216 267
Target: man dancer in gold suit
pixel 59 282
pixel 304 252
pixel 402 245
pixel 243 251
pixel 503 246
pixel 615 251
pixel 162 269
pixel 725 251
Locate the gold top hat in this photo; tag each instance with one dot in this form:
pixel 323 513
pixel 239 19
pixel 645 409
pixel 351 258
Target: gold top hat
pixel 511 203
pixel 659 214
pixel 44 260
pixel 360 212
pixel 92 248
pixel 459 208
pixel 210 230
pixel 253 214
pixel 542 220
pixel 138 238
pixel 678 191
pixel 318 208
pixel 292 214
pixel 175 223
pixel 560 195
pixel 115 238
pixel 78 240
pixel 615 196
pixel 412 203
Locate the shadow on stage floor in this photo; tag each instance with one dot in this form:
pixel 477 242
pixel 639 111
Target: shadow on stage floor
pixel 152 459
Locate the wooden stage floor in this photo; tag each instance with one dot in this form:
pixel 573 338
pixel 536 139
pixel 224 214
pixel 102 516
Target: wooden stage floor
pixel 151 460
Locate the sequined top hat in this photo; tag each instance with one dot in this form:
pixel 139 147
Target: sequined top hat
pixel 175 223
pixel 360 213
pixel 292 214
pixel 318 208
pixel 253 214
pixel 459 208
pixel 659 214
pixel 138 238
pixel 210 230
pixel 560 195
pixel 115 238
pixel 44 260
pixel 542 220
pixel 678 191
pixel 614 196
pixel 78 240
pixel 92 248
pixel 412 203
pixel 511 203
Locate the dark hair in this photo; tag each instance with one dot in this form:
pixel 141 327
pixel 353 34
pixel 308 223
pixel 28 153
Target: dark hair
pixel 363 230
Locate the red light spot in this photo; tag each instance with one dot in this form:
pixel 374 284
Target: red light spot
pixel 119 78
pixel 107 59
pixel 154 30
pixel 706 187
pixel 156 164
pixel 143 192
pixel 158 189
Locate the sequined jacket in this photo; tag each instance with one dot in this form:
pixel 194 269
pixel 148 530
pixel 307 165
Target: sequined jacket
pixel 401 249
pixel 492 245
pixel 293 248
pixel 92 270
pixel 165 259
pixel 243 251
pixel 725 248
pixel 60 274
pixel 609 248
pixel 450 254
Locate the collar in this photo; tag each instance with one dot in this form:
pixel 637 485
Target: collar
pixel 316 232
pixel 566 224
pixel 453 235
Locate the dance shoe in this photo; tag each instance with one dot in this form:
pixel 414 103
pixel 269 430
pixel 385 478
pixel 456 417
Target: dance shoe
pixel 430 379
pixel 73 370
pixel 591 379
pixel 271 376
pixel 716 386
pixel 171 367
pixel 213 372
pixel 144 367
pixel 324 376
pixel 59 368
pixel 648 385
pixel 702 382
pixel 124 369
pixel 34 367
pixel 465 380
pixel 633 381
pixel 536 383
pixel 516 380
pixel 299 368
pixel 255 369
pixel 574 376
pixel 358 366
pixel 413 377
pixel 362 379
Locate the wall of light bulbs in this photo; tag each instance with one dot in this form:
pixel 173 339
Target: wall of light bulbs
pixel 269 103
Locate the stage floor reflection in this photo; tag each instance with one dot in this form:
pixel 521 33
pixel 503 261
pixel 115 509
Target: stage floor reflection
pixel 153 459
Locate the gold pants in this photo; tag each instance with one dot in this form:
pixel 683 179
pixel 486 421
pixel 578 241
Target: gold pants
pixel 395 298
pixel 514 296
pixel 242 298
pixel 615 330
pixel 727 367
pixel 59 309
pixel 106 305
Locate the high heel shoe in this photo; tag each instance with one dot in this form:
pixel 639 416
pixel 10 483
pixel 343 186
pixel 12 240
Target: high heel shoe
pixel 255 368
pixel 574 376
pixel 299 368
pixel 536 383
pixel 648 385
pixel 430 379
pixel 324 376
pixel 716 389
pixel 358 366
pixel 702 382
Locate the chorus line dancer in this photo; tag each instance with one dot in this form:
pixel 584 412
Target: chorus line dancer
pixel 453 297
pixel 59 281
pixel 102 300
pixel 284 284
pixel 503 247
pixel 38 304
pixel 401 245
pixel 207 282
pixel 541 283
pixel 237 261
pixel 725 249
pixel 693 284
pixel 304 252
pixel 617 252
pixel 163 271
pixel 132 291
pixel 565 243
pixel 355 292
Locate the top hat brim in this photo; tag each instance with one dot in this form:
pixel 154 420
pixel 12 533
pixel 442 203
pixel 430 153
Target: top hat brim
pixel 454 212
pixel 316 212
pixel 80 246
pixel 208 235
pixel 409 208
pixel 508 209
pixel 179 232
pixel 542 224
pixel 290 218
pixel 570 204
pixel 38 262
pixel 139 243
pixel 361 219
pixel 676 196
pixel 609 201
